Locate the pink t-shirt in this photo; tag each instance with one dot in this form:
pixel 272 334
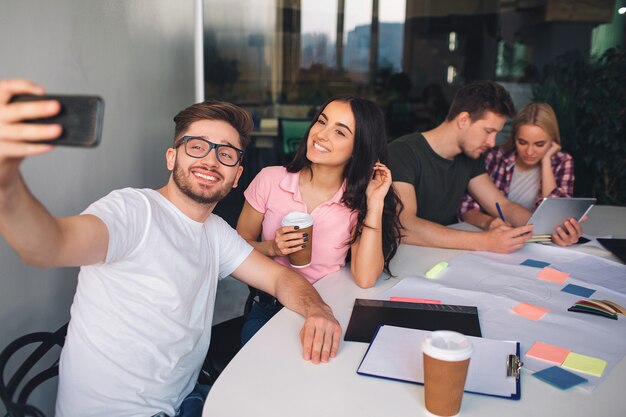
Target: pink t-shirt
pixel 275 192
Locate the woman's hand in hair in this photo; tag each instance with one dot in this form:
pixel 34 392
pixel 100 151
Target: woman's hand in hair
pixel 288 240
pixel 379 185
pixel 554 148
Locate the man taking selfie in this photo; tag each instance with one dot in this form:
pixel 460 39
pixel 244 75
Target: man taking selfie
pixel 150 262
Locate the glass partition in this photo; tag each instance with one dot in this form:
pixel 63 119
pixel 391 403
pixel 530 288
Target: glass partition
pixel 286 57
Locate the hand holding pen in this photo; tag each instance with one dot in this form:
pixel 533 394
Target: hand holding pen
pixel 500 212
pixel 498 221
pixel 533 238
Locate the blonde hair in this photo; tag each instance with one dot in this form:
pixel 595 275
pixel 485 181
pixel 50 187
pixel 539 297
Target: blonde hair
pixel 537 114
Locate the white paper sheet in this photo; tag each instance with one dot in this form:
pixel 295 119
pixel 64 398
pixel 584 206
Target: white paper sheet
pixel 496 287
pixel 588 268
pixel 396 353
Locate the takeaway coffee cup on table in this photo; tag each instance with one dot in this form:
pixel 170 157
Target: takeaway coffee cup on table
pixel 446 360
pixel 304 221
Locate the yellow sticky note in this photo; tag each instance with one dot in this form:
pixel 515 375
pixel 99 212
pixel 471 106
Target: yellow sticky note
pixel 436 270
pixel 586 364
pixel 552 275
pixel 530 311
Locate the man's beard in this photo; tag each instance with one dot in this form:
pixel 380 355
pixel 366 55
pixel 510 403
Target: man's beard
pixel 473 153
pixel 184 185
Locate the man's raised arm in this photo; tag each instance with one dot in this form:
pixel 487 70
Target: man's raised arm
pixel 38 237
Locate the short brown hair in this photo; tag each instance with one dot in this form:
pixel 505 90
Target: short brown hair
pixel 234 115
pixel 536 114
pixel 480 96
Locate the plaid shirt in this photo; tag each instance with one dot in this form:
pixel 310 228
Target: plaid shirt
pixel 500 163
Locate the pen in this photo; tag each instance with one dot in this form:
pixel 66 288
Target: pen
pixel 500 212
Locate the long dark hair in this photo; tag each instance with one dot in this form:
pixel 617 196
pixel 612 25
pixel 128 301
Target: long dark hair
pixel 370 145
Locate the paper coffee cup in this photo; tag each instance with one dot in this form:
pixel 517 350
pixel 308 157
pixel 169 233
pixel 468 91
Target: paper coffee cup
pixel 446 360
pixel 304 221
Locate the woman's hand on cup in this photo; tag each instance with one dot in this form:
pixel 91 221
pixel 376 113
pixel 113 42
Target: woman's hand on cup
pixel 288 240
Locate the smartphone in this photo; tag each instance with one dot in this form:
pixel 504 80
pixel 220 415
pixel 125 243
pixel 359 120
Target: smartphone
pixel 80 116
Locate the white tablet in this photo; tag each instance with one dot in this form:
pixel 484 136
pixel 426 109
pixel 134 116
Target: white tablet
pixel 552 212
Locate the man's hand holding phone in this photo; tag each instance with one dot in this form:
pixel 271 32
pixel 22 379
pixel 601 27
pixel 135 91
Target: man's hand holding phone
pixel 25 224
pixel 80 117
pixel 19 139
pixel 30 122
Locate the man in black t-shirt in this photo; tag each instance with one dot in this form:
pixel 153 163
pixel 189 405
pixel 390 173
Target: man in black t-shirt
pixel 433 170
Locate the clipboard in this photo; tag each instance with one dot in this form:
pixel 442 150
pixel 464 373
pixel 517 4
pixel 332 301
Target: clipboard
pixel 368 315
pixel 396 354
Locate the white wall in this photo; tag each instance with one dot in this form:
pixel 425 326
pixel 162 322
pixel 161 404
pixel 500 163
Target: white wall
pixel 136 54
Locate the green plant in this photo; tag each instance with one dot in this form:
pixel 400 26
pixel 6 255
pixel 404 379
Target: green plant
pixel 589 99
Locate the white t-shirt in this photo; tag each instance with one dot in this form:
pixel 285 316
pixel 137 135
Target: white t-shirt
pixel 141 321
pixel 525 187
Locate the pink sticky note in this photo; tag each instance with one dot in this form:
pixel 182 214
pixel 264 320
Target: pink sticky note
pixel 548 353
pixel 530 311
pixel 552 275
pixel 414 300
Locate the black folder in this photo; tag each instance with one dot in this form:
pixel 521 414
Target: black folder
pixel 616 246
pixel 368 315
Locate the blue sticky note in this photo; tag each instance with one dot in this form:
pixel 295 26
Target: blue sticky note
pixel 560 378
pixel 534 263
pixel 578 290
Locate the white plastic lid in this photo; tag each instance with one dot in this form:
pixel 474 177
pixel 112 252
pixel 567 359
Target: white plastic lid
pixel 446 345
pixel 297 218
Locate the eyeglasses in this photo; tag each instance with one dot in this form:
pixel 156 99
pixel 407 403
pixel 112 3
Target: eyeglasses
pixel 197 147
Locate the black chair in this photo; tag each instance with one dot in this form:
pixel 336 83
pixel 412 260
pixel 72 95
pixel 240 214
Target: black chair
pixel 15 390
pixel 225 343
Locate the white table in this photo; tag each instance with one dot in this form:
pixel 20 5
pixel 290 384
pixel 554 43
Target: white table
pixel 269 378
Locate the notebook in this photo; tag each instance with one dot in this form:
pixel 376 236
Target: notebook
pixel 616 246
pixel 367 315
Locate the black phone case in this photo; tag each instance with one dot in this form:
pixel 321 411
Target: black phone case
pixel 80 116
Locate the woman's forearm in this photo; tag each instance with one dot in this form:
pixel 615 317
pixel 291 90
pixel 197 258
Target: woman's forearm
pixel 368 260
pixel 548 182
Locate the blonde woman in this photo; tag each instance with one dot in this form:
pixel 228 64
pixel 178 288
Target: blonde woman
pixel 528 167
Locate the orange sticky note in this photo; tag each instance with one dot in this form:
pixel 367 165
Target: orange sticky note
pixel 530 311
pixel 552 275
pixel 548 353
